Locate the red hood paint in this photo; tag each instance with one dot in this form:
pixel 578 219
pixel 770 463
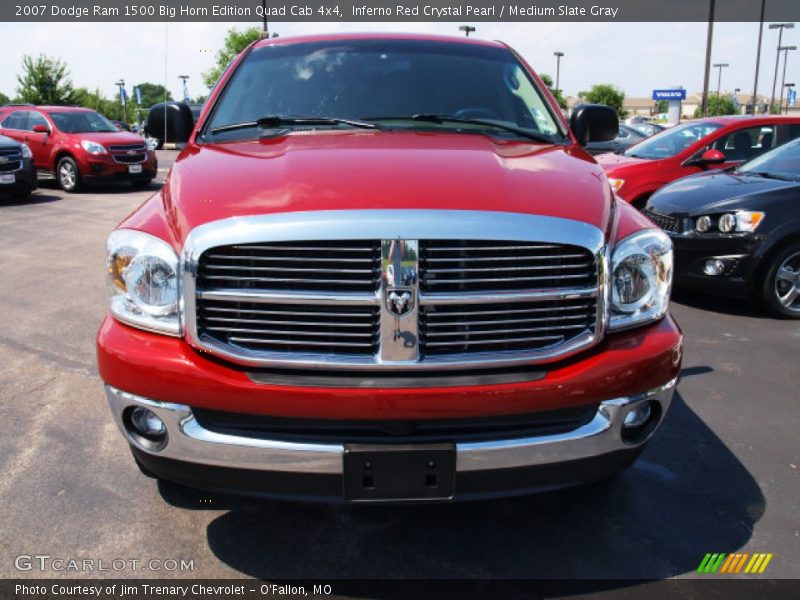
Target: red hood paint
pixel 393 170
pixel 109 138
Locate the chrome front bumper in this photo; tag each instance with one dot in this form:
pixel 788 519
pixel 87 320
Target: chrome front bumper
pixel 188 441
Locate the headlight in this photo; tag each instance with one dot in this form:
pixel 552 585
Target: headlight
pixel 641 279
pixel 26 151
pixel 747 220
pixel 143 281
pixel 93 147
pixel 727 223
pixel 742 221
pixel 703 223
pixel 151 143
pixel 616 184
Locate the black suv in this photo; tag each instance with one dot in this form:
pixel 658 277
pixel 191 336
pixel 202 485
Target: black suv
pixel 17 171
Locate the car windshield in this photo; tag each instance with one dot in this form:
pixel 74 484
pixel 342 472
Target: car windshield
pixel 83 121
pixel 782 163
pixel 672 141
pixel 385 82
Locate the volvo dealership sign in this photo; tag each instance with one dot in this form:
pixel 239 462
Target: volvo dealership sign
pixel 669 94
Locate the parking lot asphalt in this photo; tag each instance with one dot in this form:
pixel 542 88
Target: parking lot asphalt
pixel 721 475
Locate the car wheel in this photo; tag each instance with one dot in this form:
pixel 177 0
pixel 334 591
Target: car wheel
pixel 780 289
pixel 141 183
pixel 69 178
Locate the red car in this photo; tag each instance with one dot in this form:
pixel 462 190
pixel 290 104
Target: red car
pixel 380 300
pixel 691 147
pixel 79 145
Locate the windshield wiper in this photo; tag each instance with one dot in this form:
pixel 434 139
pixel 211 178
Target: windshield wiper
pixel 434 118
pixel 278 121
pixel 767 175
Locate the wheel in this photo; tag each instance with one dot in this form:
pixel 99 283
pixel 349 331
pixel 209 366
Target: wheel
pixel 69 178
pixel 141 183
pixel 780 290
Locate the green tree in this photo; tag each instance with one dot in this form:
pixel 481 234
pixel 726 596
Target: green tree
pixel 662 106
pixel 608 94
pixel 201 99
pixel 557 94
pixel 95 100
pixel 151 93
pixel 235 42
pixel 717 105
pixel 45 80
pixel 4 99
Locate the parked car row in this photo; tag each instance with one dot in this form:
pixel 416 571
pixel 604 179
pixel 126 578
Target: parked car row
pixel 727 192
pixel 76 145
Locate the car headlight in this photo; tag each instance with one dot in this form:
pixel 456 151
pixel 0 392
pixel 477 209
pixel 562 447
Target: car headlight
pixel 641 279
pixel 93 147
pixel 26 151
pixel 742 221
pixel 616 184
pixel 152 143
pixel 143 281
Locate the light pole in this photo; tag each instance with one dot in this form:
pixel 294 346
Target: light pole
pixel 709 37
pixel 720 66
pixel 559 56
pixel 185 87
pixel 736 98
pixel 122 100
pixel 780 27
pixel 783 80
pixel 758 57
pixel 788 87
pixel 467 29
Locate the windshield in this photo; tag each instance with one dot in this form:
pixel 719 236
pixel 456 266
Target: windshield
pixel 384 81
pixel 672 141
pixel 81 122
pixel 782 162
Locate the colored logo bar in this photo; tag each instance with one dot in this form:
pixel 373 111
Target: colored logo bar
pixel 738 562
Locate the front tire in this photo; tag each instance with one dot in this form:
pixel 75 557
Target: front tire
pixel 68 175
pixel 780 289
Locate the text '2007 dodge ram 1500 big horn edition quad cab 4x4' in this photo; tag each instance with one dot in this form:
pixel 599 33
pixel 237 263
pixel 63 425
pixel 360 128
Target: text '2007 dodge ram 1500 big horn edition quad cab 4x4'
pixel 383 268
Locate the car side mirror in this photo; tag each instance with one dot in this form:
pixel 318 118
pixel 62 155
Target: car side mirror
pixel 173 118
pixel 709 157
pixel 40 128
pixel 594 123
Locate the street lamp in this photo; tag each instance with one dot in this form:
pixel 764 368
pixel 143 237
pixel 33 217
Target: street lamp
pixel 720 66
pixel 185 87
pixel 558 56
pixel 780 27
pixel 783 80
pixel 123 100
pixel 467 29
pixel 788 87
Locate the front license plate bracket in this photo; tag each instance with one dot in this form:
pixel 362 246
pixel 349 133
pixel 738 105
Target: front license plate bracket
pixel 384 472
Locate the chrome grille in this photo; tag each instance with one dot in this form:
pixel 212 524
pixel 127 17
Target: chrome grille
pixel 469 265
pixel 321 265
pixel 262 327
pixel 378 290
pixel 125 147
pixel 665 222
pixel 13 159
pixel 129 158
pixel 504 327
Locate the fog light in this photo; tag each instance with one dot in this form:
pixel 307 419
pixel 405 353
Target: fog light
pixel 714 266
pixel 637 416
pixel 147 423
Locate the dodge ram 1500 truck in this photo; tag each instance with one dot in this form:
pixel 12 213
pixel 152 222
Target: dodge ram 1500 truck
pixel 384 268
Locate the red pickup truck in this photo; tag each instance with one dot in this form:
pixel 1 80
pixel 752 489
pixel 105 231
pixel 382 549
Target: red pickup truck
pixel 383 268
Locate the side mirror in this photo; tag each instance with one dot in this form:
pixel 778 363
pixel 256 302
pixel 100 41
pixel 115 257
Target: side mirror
pixel 39 128
pixel 170 122
pixel 594 123
pixel 709 157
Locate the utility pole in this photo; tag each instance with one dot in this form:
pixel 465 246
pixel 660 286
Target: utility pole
pixel 758 56
pixel 467 29
pixel 265 27
pixel 780 27
pixel 559 56
pixel 720 66
pixel 708 55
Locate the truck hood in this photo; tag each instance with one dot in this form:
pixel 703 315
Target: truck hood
pixel 718 191
pixel 354 170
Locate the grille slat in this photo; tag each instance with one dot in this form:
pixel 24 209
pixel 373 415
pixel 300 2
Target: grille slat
pixel 289 342
pixel 665 222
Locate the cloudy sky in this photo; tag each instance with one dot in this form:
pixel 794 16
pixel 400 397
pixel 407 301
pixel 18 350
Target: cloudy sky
pixel 636 56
